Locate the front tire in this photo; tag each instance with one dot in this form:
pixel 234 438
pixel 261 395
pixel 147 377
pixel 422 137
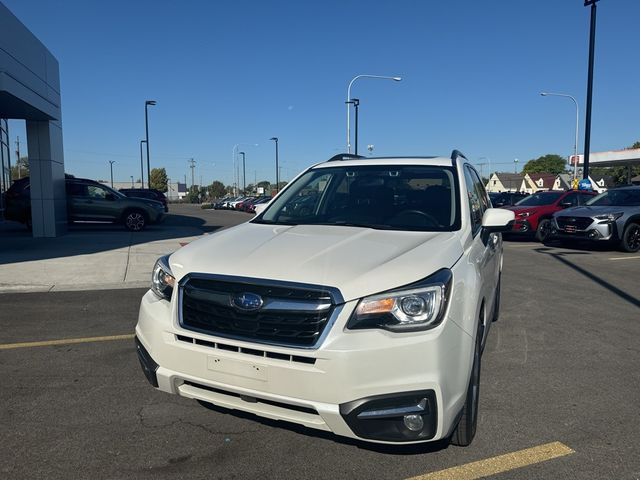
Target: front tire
pixel 135 220
pixel 543 233
pixel 466 429
pixel 631 238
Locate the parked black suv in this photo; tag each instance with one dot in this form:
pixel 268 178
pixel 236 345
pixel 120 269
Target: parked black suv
pixel 506 199
pixel 87 201
pixel 149 193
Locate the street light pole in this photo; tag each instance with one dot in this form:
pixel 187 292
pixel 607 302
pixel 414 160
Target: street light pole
pixel 131 181
pixel 275 139
pixel 111 162
pixel 395 79
pixel 244 175
pixel 236 175
pixel 142 163
pixel 587 128
pixel 515 165
pixel 146 126
pixel 575 145
pixel 356 104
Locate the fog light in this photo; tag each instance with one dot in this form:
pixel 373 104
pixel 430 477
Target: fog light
pixel 413 422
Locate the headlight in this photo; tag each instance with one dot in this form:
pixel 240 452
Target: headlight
pixel 609 217
pixel 162 280
pixel 524 214
pixel 419 306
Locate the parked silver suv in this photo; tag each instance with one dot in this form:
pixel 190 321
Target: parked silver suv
pixel 611 216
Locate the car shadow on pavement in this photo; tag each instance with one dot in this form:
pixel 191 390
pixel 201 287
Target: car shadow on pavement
pixel 561 256
pixel 18 245
pixel 413 449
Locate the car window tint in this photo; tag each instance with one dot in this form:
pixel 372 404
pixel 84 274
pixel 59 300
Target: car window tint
pixel 572 198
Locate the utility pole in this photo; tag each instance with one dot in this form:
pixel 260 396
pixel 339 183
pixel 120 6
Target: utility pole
pixel 192 167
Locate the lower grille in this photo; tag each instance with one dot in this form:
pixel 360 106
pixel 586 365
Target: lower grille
pixel 288 316
pixel 574 223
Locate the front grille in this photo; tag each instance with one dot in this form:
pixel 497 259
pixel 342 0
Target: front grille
pixel 574 223
pixel 290 315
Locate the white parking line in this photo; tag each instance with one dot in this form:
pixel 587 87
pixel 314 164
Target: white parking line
pixel 624 258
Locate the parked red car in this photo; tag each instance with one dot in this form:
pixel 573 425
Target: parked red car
pixel 533 213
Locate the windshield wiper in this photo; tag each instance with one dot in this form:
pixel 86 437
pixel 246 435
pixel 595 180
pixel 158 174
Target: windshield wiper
pixel 272 222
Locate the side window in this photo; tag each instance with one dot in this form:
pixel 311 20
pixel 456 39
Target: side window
pixel 584 198
pixel 76 189
pixel 571 198
pixel 475 202
pixel 96 192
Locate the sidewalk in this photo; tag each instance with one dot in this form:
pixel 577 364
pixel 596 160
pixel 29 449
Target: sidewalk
pixel 91 258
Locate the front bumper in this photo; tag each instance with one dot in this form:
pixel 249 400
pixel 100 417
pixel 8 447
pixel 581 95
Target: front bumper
pixel 357 384
pixel 597 231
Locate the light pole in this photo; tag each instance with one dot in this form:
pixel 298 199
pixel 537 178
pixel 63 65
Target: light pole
pixel 275 139
pixel 146 127
pixel 515 165
pixel 575 145
pixel 131 181
pixel 142 164
pixel 587 127
pixel 382 77
pixel 111 162
pixel 236 176
pixel 356 104
pixel 244 175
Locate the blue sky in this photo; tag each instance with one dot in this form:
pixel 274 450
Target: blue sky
pixel 228 72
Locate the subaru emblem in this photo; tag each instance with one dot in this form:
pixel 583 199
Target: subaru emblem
pixel 247 301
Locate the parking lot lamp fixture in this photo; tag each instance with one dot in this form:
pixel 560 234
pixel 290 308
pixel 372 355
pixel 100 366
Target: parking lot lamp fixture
pixel 575 145
pixel 111 162
pixel 146 126
pixel 244 174
pixel 587 127
pixel 236 174
pixel 142 164
pixel 382 77
pixel 275 139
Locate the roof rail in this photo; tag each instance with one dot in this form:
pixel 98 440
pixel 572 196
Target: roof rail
pixel 455 154
pixel 345 156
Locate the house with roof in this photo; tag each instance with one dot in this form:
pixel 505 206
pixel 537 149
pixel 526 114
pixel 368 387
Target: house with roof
pixel 504 182
pixel 537 182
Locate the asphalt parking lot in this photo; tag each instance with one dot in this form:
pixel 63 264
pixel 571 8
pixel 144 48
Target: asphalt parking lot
pixel 559 393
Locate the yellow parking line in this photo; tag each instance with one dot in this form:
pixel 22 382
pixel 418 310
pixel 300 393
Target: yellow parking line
pixel 622 258
pixel 501 463
pixel 65 341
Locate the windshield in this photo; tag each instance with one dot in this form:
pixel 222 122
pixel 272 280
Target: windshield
pixel 618 198
pixel 404 197
pixel 537 199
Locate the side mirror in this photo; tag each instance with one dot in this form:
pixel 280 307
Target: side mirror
pixel 497 220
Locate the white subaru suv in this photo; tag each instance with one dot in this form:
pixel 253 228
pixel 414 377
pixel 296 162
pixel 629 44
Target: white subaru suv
pixel 357 302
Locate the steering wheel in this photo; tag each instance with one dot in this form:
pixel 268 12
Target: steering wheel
pixel 431 220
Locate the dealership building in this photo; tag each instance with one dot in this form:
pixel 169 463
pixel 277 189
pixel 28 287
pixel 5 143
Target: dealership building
pixel 30 91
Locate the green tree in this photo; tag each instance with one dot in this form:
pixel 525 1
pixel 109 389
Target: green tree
pixel 20 169
pixel 550 163
pixel 217 189
pixel 159 179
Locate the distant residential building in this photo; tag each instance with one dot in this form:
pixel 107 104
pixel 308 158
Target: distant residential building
pixel 537 182
pixel 504 182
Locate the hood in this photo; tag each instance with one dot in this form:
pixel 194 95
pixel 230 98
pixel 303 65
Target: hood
pixel 590 211
pixel 357 261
